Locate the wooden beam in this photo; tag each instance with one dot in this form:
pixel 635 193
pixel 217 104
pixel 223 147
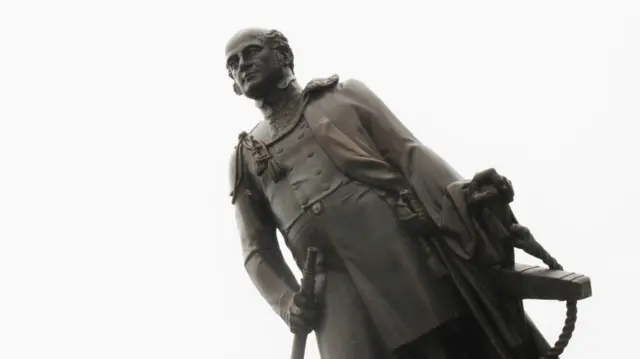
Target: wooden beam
pixel 535 282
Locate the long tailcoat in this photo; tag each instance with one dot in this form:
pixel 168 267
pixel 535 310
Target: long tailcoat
pixel 369 144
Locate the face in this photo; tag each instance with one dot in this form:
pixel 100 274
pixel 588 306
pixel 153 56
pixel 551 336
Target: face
pixel 253 65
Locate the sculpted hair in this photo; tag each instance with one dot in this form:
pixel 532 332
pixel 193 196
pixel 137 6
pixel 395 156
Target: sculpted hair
pixel 277 42
pixel 280 44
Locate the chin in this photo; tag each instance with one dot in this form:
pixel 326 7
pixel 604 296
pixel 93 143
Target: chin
pixel 255 91
pixel 253 95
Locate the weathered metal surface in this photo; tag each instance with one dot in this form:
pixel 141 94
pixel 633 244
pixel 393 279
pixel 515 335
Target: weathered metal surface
pixel 535 282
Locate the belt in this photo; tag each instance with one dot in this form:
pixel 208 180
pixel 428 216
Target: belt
pixel 317 207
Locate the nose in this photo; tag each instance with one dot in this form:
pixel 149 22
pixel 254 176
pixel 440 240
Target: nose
pixel 243 65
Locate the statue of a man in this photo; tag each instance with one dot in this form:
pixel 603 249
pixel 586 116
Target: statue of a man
pixel 330 166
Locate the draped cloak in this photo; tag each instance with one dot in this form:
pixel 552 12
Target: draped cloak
pixel 331 108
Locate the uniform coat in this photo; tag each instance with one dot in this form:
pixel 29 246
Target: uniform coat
pixel 364 141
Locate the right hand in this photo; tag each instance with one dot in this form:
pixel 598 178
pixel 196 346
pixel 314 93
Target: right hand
pixel 488 185
pixel 304 314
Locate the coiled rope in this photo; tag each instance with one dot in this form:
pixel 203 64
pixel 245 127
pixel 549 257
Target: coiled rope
pixel 524 240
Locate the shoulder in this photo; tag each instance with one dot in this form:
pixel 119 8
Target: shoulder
pixel 331 89
pixel 356 88
pixel 236 158
pixel 333 84
pixel 261 131
pixel 321 85
pixel 352 91
pixel 324 85
pixel 352 84
pixel 237 167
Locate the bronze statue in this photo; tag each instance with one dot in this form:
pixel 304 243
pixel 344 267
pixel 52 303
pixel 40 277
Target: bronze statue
pixel 413 261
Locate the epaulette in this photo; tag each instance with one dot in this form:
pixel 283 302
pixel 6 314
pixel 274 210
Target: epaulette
pixel 320 85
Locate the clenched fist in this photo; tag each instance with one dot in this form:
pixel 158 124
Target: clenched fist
pixel 303 314
pixel 488 185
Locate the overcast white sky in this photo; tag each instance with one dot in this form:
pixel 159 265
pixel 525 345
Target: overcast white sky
pixel 117 119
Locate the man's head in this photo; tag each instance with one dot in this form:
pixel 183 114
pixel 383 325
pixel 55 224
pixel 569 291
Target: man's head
pixel 259 61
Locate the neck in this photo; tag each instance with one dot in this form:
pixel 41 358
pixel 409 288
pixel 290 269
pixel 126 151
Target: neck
pixel 279 99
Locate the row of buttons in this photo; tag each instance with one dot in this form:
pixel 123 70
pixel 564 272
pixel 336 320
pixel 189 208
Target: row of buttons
pixel 316 207
pixel 309 154
pixel 300 136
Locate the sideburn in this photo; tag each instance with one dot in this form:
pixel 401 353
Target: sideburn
pixel 287 78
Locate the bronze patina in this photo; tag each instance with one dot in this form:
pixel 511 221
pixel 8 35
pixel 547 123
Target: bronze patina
pixel 413 261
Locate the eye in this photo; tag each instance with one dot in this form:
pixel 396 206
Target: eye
pixel 252 50
pixel 232 62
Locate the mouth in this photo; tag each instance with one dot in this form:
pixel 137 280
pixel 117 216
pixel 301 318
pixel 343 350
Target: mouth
pixel 248 76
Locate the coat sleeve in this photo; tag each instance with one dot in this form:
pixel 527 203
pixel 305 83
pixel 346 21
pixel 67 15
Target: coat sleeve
pixel 263 259
pixel 427 173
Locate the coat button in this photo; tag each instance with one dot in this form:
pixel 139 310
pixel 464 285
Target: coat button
pixel 301 134
pixel 317 171
pixel 325 186
pixel 310 154
pixel 317 208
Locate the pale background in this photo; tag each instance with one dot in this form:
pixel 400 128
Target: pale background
pixel 117 122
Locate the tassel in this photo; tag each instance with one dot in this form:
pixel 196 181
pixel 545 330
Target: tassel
pixel 275 170
pixel 238 168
